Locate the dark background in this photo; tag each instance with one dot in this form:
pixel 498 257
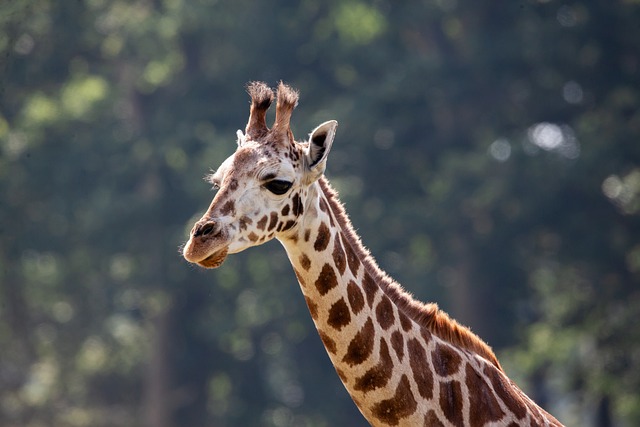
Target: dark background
pixel 488 153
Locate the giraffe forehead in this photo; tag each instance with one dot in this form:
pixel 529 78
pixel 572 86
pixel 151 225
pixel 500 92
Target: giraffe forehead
pixel 244 159
pixel 264 162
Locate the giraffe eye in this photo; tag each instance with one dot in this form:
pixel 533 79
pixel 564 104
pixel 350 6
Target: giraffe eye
pixel 278 187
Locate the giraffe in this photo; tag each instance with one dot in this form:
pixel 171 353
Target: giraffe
pixel 404 363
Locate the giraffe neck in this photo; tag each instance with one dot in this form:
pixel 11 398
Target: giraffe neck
pixel 401 361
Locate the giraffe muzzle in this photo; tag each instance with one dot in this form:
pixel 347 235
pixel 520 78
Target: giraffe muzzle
pixel 206 246
pixel 206 229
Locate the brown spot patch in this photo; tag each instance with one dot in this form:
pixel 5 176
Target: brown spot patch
pixel 338 255
pixel 297 205
pixel 361 345
pixel 342 375
pixel 445 360
pixel 233 184
pixel 481 396
pixel 244 222
pixel 420 368
pixel 380 374
pixel 299 277
pixel 253 237
pixel 352 259
pixel 401 405
pixel 405 322
pixel 384 313
pixel 313 308
pixel 397 342
pixel 305 262
pixel 328 342
pixel 307 234
pixel 426 335
pixel 339 315
pixel 505 392
pixel 356 300
pixel 272 221
pixel 288 225
pixel 326 280
pixel 285 210
pixel 322 240
pixel 262 223
pixel 323 206
pixel 229 208
pixel 432 420
pixel 451 402
pixel 370 288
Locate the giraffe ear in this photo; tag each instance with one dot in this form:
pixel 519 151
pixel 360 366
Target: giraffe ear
pixel 241 138
pixel 320 142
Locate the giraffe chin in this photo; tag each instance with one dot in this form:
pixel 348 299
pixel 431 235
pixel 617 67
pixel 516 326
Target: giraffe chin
pixel 214 260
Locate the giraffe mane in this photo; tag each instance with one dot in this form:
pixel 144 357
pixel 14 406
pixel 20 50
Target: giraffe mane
pixel 429 315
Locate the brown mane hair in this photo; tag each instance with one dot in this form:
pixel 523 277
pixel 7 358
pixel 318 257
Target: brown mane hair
pixel 426 315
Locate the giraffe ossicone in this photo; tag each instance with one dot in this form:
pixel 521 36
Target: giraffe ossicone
pixel 403 362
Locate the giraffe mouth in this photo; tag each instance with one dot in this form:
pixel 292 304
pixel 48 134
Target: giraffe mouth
pixel 214 260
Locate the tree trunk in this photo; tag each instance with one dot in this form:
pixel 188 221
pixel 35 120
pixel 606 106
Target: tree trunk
pixel 603 413
pixel 157 400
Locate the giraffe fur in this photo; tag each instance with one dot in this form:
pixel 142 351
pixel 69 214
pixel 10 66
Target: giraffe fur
pixel 403 362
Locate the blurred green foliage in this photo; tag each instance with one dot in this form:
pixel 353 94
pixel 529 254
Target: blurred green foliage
pixel 488 153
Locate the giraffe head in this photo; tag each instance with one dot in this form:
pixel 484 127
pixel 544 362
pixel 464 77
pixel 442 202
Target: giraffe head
pixel 262 187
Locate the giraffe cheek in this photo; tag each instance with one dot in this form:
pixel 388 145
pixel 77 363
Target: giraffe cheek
pixel 240 244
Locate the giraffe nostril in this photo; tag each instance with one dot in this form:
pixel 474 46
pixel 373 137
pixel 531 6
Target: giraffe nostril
pixel 204 229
